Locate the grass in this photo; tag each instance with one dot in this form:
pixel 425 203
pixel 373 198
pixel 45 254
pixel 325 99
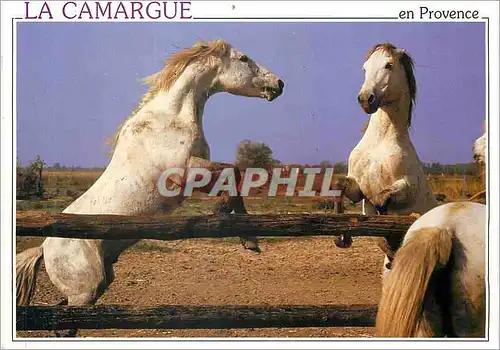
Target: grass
pixel 456 187
pixel 63 187
pixel 68 184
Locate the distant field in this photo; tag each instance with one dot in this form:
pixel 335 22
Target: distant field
pixel 456 187
pixel 63 187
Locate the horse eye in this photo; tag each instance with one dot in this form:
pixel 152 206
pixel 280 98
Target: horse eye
pixel 388 66
pixel 244 58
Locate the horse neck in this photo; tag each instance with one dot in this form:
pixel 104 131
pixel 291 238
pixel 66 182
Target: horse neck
pixel 185 99
pixel 133 176
pixel 390 121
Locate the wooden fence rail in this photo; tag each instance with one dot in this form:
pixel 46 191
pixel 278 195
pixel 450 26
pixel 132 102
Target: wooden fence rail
pixel 193 317
pixel 32 223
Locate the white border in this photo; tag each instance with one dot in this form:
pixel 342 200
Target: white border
pixel 206 9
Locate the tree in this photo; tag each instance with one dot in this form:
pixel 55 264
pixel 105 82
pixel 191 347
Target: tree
pixel 254 154
pixel 325 164
pixel 29 180
pixel 340 168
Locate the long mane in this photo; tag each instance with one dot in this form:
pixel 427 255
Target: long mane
pixel 175 65
pixel 408 66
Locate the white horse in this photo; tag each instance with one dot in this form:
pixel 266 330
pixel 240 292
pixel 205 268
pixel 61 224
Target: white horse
pixel 436 286
pixel 164 131
pixel 479 149
pixel 384 169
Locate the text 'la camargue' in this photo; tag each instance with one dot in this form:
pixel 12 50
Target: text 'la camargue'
pixel 118 10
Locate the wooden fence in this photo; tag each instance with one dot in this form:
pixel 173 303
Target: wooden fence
pixel 31 223
pixel 209 226
pixel 193 317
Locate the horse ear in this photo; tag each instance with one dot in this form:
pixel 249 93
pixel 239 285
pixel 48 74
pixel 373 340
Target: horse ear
pixel 400 52
pixel 201 44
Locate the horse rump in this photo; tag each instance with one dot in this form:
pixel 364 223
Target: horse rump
pixel 401 309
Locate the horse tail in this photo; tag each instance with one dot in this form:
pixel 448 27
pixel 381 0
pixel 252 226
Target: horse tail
pixel 401 305
pixel 27 266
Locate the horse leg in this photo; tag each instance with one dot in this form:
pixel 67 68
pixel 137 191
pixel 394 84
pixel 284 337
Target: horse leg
pixel 397 195
pixel 388 245
pixel 77 268
pixel 350 189
pixel 227 203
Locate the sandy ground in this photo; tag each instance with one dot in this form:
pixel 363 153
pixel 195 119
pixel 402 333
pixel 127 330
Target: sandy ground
pixel 220 272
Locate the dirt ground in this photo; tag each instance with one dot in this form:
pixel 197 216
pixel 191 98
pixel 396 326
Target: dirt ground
pixel 309 271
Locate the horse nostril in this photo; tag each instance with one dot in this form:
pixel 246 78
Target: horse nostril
pixel 359 98
pixel 371 98
pixel 281 84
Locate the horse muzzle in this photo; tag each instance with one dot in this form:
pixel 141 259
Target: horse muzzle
pixel 271 93
pixel 479 159
pixel 368 102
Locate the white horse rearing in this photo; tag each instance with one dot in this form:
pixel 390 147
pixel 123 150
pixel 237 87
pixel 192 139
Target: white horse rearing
pixel 384 168
pixel 165 131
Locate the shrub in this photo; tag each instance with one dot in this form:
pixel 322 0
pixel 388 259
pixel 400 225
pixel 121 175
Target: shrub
pixel 29 180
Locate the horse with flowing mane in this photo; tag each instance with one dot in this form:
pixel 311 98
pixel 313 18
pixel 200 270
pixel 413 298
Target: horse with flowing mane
pixel 436 286
pixel 164 131
pixel 384 169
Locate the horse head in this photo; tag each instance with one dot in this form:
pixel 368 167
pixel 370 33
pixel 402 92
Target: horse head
pixel 241 75
pixel 479 150
pixel 388 75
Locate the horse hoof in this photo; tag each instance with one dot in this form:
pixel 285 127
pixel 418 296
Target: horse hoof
pixel 250 244
pixel 343 241
pixel 255 249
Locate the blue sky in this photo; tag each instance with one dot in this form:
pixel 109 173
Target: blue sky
pixel 76 82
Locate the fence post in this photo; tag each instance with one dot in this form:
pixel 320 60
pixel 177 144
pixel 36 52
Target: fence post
pixel 338 203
